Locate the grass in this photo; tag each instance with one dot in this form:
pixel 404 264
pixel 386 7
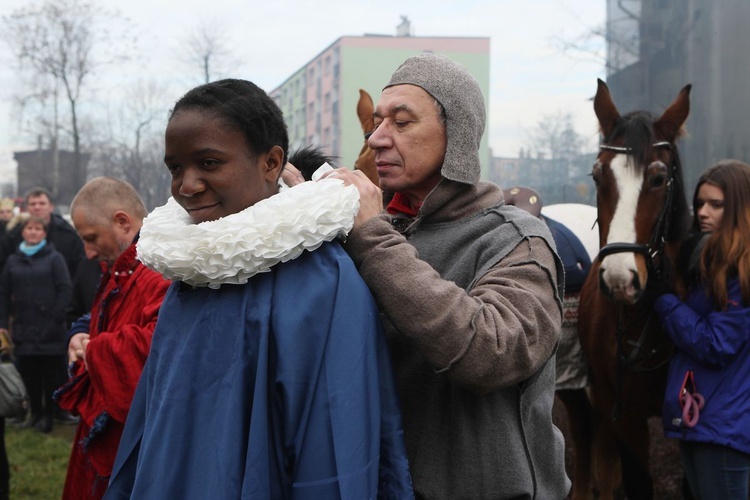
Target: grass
pixel 38 461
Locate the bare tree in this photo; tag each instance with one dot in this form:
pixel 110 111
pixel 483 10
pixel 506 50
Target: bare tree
pixel 614 45
pixel 557 158
pixel 58 45
pixel 586 46
pixel 130 145
pixel 208 50
pixel 555 137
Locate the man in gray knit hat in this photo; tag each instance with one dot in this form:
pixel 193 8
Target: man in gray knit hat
pixel 470 289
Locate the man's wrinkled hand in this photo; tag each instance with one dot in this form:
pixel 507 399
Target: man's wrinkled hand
pixel 370 195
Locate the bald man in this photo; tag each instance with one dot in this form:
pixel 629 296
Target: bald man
pixel 107 350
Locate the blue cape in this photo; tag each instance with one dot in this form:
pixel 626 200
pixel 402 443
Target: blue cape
pixel 280 388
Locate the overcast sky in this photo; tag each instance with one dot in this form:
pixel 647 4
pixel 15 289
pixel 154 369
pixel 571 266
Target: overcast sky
pixel 530 76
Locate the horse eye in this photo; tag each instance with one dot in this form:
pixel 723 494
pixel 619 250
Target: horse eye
pixel 657 181
pixel 657 175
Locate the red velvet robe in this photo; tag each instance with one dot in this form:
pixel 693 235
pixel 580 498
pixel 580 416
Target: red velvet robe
pixel 123 318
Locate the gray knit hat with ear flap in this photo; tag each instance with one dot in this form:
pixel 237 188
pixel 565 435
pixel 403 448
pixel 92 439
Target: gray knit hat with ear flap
pixel 453 86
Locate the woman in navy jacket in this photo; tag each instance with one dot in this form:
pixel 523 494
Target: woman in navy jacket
pixel 35 290
pixel 707 402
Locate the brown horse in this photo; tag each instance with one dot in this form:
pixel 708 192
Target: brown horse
pixel 642 215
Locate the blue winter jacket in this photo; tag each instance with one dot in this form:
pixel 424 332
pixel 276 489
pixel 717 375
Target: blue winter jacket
pixel 715 345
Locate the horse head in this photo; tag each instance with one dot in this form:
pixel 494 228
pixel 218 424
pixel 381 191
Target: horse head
pixel 642 209
pixel 366 160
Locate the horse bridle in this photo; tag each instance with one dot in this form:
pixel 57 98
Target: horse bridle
pixel 653 250
pixel 652 253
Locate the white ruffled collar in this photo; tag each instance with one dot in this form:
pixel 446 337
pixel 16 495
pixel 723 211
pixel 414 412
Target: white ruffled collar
pixel 232 249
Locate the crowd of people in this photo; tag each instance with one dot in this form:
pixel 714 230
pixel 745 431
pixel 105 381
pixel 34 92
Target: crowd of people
pixel 263 336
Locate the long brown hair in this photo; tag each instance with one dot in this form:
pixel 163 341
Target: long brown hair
pixel 727 252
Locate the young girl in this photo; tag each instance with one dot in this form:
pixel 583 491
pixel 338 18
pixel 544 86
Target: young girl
pixel 268 375
pixel 707 403
pixel 35 289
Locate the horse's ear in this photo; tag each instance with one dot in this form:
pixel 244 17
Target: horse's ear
pixel 669 124
pixel 365 109
pixel 605 109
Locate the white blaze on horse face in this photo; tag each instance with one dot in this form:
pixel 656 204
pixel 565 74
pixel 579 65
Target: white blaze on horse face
pixel 619 269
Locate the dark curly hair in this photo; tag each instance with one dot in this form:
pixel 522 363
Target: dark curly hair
pixel 244 105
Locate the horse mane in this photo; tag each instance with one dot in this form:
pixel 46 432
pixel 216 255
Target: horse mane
pixel 637 131
pixel 308 159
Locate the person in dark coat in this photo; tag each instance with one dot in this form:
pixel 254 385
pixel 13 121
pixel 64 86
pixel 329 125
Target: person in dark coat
pixel 35 290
